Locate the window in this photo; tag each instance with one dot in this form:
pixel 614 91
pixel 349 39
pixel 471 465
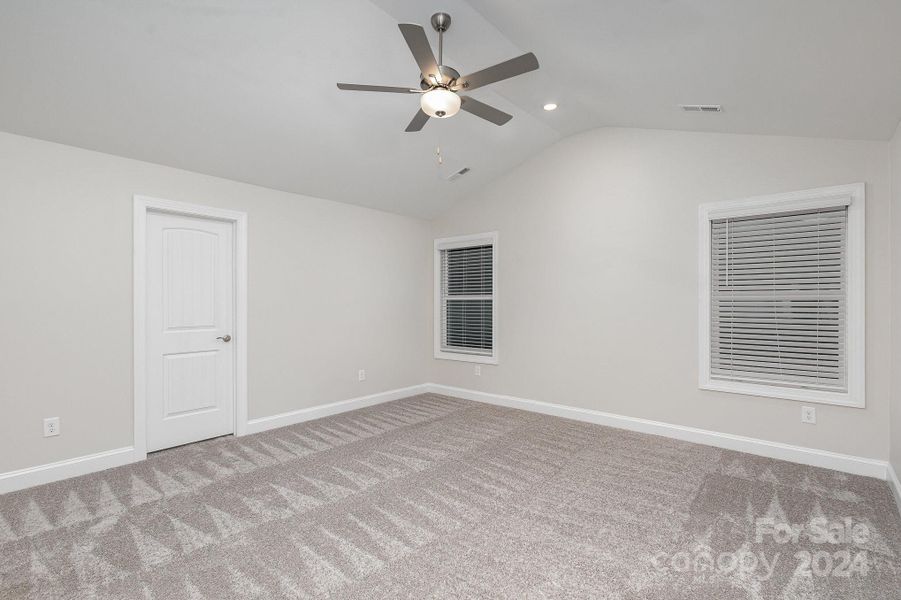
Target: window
pixel 782 296
pixel 466 298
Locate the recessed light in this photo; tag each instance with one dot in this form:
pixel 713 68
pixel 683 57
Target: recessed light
pixel 550 106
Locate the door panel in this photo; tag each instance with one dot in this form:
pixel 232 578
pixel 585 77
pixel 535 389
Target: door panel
pixel 189 278
pixel 190 309
pixel 189 383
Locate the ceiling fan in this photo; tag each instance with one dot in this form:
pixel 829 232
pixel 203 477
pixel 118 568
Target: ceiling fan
pixel 440 85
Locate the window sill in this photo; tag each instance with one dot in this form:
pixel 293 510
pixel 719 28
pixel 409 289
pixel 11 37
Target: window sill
pixel 470 358
pixel 786 393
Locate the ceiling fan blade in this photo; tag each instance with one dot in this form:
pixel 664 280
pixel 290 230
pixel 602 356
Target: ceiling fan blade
pixel 499 72
pixel 422 51
pixel 375 88
pixel 419 120
pixel 480 109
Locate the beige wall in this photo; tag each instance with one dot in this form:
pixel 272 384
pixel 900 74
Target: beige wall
pixel 598 277
pixel 896 302
pixel 332 288
pixel 599 233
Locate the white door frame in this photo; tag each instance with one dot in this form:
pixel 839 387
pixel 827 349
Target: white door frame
pixel 143 205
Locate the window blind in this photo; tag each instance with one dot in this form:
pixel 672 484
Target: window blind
pixel 467 300
pixel 779 299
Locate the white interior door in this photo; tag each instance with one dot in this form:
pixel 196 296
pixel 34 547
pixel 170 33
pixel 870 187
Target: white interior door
pixel 190 324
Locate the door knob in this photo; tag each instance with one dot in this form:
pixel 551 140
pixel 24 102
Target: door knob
pixel 225 338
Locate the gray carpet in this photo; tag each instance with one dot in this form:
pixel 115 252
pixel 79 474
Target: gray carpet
pixel 435 497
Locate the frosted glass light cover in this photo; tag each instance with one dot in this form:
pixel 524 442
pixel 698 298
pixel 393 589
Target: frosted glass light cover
pixel 440 103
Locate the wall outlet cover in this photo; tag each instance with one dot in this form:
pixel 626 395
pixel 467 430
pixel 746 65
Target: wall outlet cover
pixel 809 414
pixel 51 426
pixel 361 375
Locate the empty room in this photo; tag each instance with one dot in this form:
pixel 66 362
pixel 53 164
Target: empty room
pixel 406 299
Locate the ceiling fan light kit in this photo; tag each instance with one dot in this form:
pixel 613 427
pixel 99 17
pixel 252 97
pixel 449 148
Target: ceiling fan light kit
pixel 440 103
pixel 440 85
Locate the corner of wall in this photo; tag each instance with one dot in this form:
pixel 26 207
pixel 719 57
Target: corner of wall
pixel 895 389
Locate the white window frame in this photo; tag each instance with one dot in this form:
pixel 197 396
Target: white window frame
pixel 854 196
pixel 464 241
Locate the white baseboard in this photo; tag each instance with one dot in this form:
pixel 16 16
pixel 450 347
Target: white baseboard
pixel 317 412
pixel 808 456
pixel 64 469
pixel 895 484
pixel 82 465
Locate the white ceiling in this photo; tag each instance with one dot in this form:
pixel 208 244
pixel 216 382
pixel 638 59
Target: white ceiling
pixel 245 89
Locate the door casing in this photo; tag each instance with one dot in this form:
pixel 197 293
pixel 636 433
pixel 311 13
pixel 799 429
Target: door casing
pixel 143 205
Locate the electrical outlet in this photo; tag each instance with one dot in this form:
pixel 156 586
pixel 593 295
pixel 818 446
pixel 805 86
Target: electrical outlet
pixel 51 427
pixel 809 415
pixel 478 370
pixel 361 375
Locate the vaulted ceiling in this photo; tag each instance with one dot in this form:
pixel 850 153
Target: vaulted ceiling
pixel 245 89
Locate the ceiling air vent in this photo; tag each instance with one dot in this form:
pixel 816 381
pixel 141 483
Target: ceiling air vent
pixel 458 174
pixel 701 107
